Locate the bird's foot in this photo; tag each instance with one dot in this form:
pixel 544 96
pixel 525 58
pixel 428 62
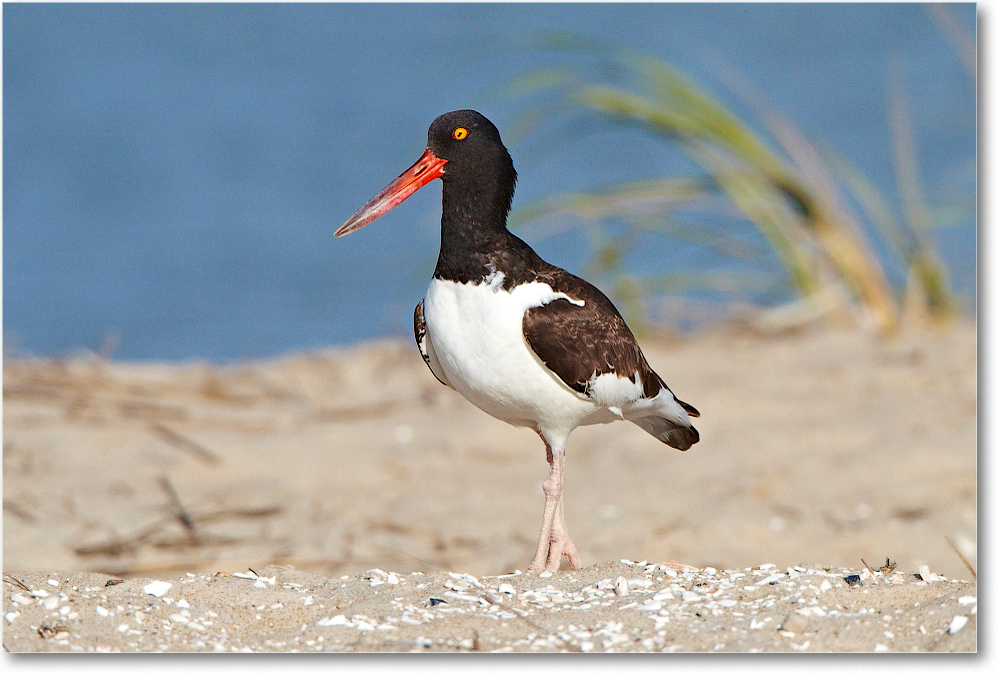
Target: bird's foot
pixel 549 560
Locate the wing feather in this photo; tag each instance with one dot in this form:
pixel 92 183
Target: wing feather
pixel 425 346
pixel 581 341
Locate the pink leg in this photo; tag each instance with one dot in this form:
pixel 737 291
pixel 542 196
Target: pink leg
pixel 554 540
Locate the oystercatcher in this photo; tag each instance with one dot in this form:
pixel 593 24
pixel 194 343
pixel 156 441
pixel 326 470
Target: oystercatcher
pixel 523 340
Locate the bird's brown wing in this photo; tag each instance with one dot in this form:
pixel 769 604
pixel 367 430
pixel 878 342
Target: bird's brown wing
pixel 584 336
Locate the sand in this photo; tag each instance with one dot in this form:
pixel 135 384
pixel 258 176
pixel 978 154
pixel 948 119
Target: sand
pixel 359 489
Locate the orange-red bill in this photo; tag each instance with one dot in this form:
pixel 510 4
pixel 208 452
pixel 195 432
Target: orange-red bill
pixel 425 170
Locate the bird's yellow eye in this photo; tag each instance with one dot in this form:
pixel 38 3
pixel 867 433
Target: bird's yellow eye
pixel 459 133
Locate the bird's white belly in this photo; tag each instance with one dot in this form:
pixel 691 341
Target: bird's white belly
pixel 476 331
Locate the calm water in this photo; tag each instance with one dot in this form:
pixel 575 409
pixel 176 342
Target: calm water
pixel 173 174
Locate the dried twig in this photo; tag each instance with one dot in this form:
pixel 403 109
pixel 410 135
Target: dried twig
pixel 15 509
pixel 182 515
pixel 184 443
pixel 8 578
pixel 964 560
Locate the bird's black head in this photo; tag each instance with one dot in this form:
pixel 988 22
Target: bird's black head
pixel 472 146
pixel 464 150
pixel 464 136
pixel 479 174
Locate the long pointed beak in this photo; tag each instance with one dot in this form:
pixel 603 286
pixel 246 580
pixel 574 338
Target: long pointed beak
pixel 425 170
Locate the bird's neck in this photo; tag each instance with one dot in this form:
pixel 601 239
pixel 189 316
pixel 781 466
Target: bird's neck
pixel 473 228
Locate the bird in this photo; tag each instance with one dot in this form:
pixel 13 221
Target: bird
pixel 523 340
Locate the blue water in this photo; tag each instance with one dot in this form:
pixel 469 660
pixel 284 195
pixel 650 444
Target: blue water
pixel 173 174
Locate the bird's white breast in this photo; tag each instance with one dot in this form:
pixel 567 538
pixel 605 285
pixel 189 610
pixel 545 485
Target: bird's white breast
pixel 476 331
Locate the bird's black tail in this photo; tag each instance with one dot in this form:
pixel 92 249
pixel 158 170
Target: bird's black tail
pixel 675 435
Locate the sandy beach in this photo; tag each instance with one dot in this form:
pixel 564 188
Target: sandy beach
pixel 323 501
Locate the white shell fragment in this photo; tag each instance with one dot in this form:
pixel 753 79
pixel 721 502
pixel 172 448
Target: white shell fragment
pixel 157 588
pixel 927 576
pixel 469 579
pixel 957 623
pixel 771 579
pixel 377 576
